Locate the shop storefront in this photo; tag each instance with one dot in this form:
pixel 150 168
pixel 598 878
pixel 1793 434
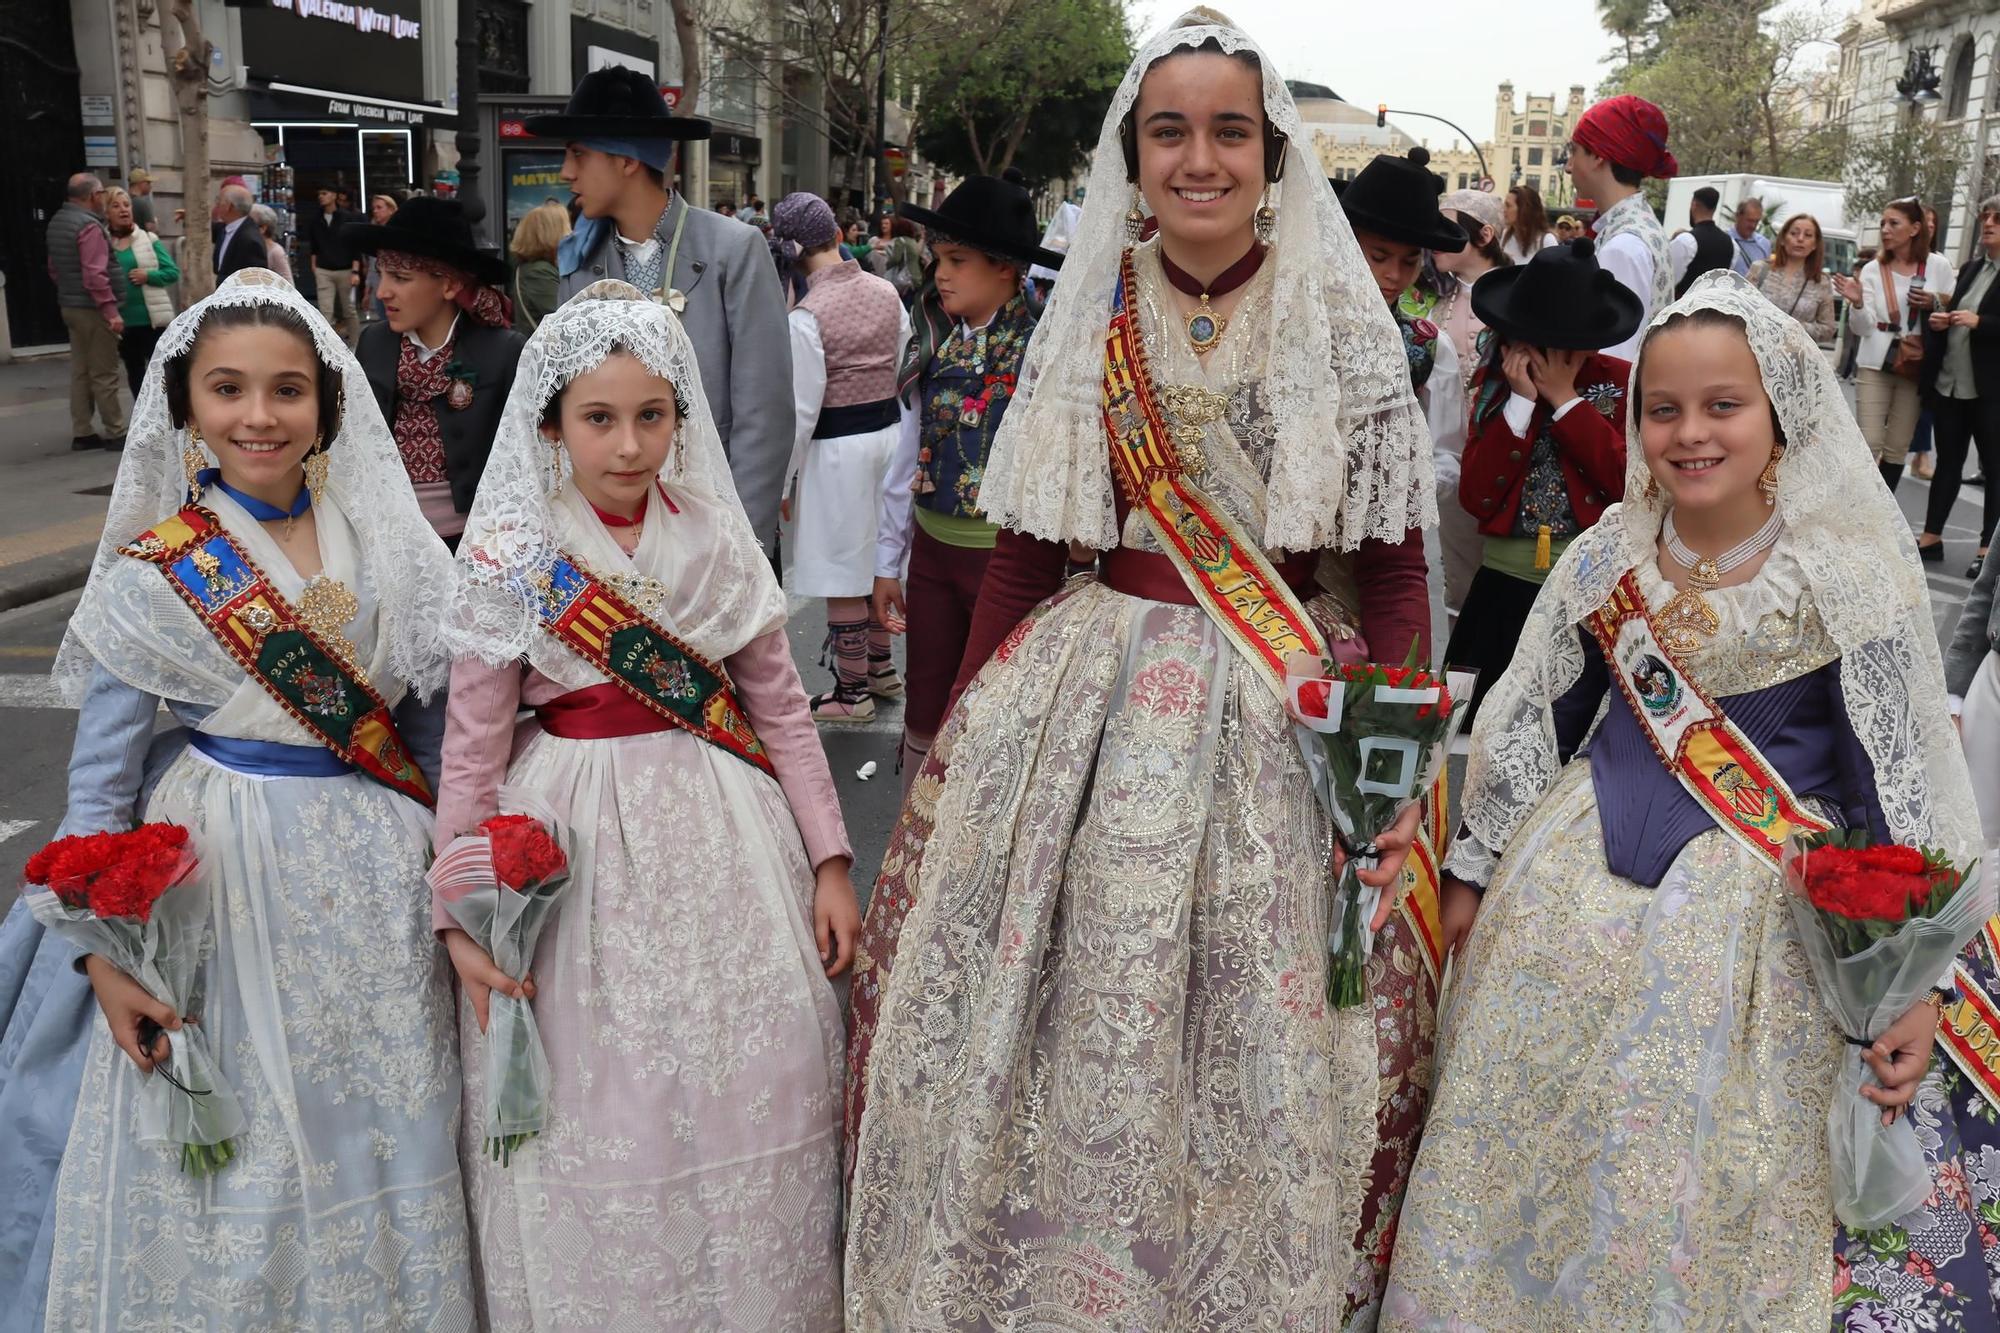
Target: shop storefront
pixel 733 159
pixel 337 92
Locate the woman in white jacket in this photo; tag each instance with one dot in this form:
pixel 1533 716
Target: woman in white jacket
pixel 1881 308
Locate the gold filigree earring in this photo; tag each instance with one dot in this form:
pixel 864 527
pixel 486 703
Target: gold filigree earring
pixel 1266 221
pixel 555 468
pixel 193 460
pixel 1767 482
pixel 1135 220
pixel 1652 491
pixel 316 465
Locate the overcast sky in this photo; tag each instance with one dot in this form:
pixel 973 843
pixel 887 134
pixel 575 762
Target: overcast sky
pixel 1444 57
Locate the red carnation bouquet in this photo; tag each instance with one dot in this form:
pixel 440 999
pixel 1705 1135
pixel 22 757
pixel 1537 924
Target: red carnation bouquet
pixel 1881 925
pixel 501 883
pixel 121 896
pixel 1374 738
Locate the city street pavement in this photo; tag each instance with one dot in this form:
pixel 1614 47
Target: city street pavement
pixel 51 507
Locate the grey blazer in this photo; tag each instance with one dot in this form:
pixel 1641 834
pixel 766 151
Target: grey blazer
pixel 1978 632
pixel 734 304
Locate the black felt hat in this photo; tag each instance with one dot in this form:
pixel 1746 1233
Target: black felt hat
pixel 1397 197
pixel 990 214
pixel 1562 298
pixel 434 228
pixel 618 103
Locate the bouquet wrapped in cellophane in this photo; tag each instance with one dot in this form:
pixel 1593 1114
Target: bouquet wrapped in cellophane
pixel 501 883
pixel 1375 738
pixel 130 898
pixel 1881 926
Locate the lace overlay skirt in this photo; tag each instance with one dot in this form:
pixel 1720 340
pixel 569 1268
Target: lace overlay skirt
pixel 689 1176
pixel 1106 1091
pixel 326 1007
pixel 1629 1129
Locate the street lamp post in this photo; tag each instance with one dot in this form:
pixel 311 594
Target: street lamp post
pixel 882 190
pixel 1919 84
pixel 1383 111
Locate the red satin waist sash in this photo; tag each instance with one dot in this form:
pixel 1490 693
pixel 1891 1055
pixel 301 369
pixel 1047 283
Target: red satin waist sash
pixel 1153 576
pixel 598 713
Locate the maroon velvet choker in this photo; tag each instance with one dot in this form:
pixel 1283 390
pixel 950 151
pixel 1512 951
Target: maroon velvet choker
pixel 1204 327
pixel 1225 282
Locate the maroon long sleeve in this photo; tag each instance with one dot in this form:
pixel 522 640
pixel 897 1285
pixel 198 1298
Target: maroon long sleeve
pixel 1023 573
pixel 1393 580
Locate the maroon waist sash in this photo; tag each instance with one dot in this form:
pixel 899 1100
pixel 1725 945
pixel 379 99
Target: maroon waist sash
pixel 598 713
pixel 1154 577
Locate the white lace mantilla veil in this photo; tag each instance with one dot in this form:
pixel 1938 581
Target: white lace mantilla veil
pixel 1854 548
pixel 1352 456
pixel 408 567
pixel 527 508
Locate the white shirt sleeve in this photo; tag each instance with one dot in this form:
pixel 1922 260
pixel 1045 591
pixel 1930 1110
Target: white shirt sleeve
pixel 1681 250
pixel 1520 413
pixel 892 510
pixel 1627 259
pixel 808 386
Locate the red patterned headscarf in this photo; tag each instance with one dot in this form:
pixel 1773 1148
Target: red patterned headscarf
pixel 1628 131
pixel 487 305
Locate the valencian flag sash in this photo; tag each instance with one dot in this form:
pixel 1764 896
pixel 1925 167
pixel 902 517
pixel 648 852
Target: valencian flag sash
pixel 315 684
pixel 669 678
pixel 1232 580
pixel 1749 800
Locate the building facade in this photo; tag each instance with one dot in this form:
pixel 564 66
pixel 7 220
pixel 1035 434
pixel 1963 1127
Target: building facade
pixel 1529 140
pixel 1891 39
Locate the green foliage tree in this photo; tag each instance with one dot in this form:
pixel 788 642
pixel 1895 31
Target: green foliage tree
pixel 1913 156
pixel 1047 70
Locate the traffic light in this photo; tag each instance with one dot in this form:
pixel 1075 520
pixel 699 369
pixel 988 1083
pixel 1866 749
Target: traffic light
pixel 1381 114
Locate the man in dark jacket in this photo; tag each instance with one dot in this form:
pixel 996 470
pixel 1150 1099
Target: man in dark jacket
pixel 241 244
pixel 443 359
pixel 331 264
pixel 1703 246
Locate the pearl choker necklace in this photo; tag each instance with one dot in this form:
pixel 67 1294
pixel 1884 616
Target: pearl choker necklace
pixel 1760 540
pixel 1688 621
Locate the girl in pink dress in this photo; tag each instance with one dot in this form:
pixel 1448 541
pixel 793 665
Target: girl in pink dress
pixel 610 583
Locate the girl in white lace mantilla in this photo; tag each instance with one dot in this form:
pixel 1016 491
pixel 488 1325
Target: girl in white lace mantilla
pixel 1630 1126
pixel 323 994
pixel 1106 1091
pixel 688 1178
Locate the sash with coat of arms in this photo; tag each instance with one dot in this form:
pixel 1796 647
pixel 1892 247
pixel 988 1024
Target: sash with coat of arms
pixel 310 678
pixel 597 623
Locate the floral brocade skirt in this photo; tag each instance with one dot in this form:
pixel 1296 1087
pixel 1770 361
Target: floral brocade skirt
pixel 1104 1090
pixel 1629 1128
pixel 689 1175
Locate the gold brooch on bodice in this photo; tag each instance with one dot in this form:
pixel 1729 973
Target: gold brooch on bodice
pixel 1687 621
pixel 1193 409
pixel 326 605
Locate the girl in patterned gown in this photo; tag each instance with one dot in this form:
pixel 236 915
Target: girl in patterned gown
pixel 1630 1125
pixel 1106 1091
pixel 323 993
pixel 688 1176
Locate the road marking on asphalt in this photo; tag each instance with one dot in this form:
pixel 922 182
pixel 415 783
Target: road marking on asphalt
pixel 24 690
pixel 14 828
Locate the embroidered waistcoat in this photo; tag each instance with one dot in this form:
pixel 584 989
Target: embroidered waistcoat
pixel 859 316
pixel 965 390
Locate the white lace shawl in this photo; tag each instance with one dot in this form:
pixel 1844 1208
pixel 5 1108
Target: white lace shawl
pixel 404 567
pixel 1352 455
pixel 1861 573
pixel 714 582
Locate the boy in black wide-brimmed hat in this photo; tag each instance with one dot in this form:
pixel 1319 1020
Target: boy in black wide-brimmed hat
pixel 443 359
pixel 714 272
pixel 971 327
pixel 1392 204
pixel 1545 451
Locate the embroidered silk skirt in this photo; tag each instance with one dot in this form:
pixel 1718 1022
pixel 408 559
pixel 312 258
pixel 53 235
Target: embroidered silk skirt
pixel 689 1177
pixel 1106 1090
pixel 1629 1129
